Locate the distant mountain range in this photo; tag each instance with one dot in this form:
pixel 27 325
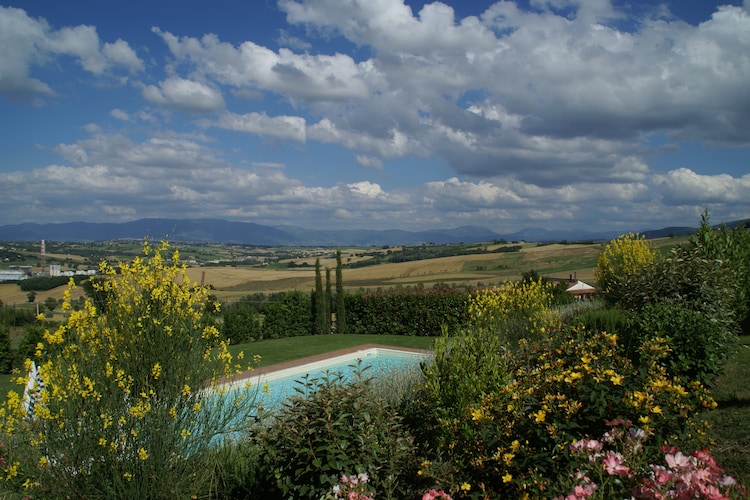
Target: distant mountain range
pixel 248 233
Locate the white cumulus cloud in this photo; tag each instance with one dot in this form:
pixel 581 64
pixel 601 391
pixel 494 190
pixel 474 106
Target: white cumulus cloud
pixel 185 95
pixel 28 42
pixel 283 127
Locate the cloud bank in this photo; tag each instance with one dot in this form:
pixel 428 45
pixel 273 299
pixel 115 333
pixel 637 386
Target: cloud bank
pixel 552 116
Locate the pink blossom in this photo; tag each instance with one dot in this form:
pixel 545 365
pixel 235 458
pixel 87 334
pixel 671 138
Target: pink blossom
pixel 436 495
pixel 580 491
pixel 588 445
pixel 661 475
pixel 613 463
pixel 727 481
pixel 678 461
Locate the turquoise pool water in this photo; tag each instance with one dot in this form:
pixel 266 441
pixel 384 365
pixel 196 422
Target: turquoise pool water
pixel 272 389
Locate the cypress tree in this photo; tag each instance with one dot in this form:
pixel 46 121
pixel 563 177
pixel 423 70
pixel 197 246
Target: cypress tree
pixel 340 307
pixel 328 300
pixel 320 302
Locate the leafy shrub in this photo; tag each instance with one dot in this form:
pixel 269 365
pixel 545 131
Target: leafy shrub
pixel 396 386
pixel 688 300
pixel 6 355
pixel 567 385
pixel 334 427
pixel 606 319
pixel 241 323
pixel 417 312
pixel 237 471
pixel 731 247
pixel 698 347
pixel 12 316
pixel 124 411
pixel 467 366
pixel 290 317
pixel 33 336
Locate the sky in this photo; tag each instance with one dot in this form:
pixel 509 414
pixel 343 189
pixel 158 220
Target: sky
pixel 376 114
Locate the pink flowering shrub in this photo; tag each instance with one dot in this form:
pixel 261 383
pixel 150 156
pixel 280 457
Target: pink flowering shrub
pixel 353 487
pixel 436 495
pixel 614 466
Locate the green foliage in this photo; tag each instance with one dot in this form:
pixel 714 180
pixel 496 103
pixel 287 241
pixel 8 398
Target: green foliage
pixel 50 303
pixel 340 300
pixel 698 347
pixel 621 258
pixel 688 300
pixel 241 323
pixel 560 295
pixel 33 336
pixel 428 251
pixel 292 316
pixel 530 276
pixel 606 319
pixel 44 283
pixel 417 312
pixel 321 304
pixel 13 316
pixel 467 366
pixel 732 248
pixel 333 427
pixel 237 471
pixel 328 299
pixel 6 355
pixel 514 440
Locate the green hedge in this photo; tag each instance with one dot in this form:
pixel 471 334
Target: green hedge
pixel 291 317
pixel 417 312
pixel 44 283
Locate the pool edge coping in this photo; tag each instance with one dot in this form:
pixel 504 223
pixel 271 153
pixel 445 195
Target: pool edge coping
pixel 286 365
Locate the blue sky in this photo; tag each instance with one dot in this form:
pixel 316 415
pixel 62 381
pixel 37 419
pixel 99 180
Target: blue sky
pixel 378 114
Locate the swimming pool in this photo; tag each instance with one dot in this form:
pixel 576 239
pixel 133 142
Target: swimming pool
pixel 273 388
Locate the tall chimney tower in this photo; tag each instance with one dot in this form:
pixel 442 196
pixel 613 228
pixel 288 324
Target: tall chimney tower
pixel 42 259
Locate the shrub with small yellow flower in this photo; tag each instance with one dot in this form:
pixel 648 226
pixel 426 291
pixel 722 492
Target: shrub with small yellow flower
pixel 127 410
pixel 514 310
pixel 514 440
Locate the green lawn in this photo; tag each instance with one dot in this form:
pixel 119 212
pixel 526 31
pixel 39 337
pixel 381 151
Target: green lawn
pixel 730 422
pixel 288 349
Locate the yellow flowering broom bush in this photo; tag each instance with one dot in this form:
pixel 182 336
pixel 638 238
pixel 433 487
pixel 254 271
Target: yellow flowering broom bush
pixel 515 441
pixel 622 257
pixel 128 406
pixel 514 310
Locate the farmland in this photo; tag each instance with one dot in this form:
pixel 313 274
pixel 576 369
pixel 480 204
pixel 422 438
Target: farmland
pixel 235 271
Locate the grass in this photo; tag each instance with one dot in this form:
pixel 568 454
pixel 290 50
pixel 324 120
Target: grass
pixel 730 421
pixel 289 349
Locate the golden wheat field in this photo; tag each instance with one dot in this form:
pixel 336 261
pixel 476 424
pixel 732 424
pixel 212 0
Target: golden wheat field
pixel 230 283
pixel 558 261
